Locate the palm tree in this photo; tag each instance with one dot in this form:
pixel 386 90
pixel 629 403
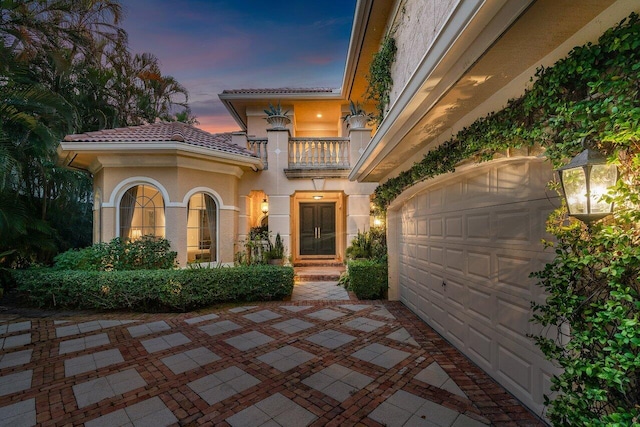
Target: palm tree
pixel 65 67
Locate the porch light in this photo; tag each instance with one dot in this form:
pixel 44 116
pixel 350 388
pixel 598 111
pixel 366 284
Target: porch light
pixel 318 197
pixel 377 222
pixel 264 206
pixel 584 181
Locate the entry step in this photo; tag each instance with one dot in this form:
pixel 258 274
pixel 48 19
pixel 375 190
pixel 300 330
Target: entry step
pixel 318 263
pixel 318 273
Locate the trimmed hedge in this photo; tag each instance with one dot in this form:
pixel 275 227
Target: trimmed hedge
pixel 368 278
pixel 152 290
pixel 145 253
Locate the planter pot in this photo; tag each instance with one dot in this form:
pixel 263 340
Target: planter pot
pixel 278 121
pixel 276 262
pixel 358 122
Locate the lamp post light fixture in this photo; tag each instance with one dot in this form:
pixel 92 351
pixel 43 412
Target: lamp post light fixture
pixel 585 179
pixel 264 206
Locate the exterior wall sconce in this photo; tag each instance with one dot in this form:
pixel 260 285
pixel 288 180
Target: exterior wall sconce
pixel 585 179
pixel 378 222
pixel 264 206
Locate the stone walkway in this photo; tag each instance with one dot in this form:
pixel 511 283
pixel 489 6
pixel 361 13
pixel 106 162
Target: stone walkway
pixel 319 291
pixel 304 362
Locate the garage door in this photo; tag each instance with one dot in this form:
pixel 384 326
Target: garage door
pixel 467 243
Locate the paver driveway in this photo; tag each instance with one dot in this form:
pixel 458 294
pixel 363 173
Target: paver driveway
pixel 331 362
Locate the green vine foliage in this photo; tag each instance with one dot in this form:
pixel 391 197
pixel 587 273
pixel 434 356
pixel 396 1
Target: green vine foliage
pixel 379 78
pixel 592 92
pixel 590 321
pixel 591 316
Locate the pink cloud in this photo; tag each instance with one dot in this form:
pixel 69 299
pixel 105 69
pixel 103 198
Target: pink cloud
pixel 217 124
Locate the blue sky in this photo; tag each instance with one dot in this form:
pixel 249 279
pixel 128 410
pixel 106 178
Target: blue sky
pixel 209 46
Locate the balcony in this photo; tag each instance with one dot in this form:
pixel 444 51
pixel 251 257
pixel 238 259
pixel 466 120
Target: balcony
pixel 318 158
pixel 259 148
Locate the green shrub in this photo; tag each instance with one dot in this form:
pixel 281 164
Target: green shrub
pixel 146 253
pixel 368 278
pixel 370 244
pixel 152 290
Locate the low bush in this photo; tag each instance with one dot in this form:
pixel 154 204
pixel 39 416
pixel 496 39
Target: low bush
pixel 146 253
pixel 371 244
pixel 152 290
pixel 368 278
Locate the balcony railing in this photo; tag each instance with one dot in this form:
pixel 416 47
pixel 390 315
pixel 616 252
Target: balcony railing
pixel 318 153
pixel 259 148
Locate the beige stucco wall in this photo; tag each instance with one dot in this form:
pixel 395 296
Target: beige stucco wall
pixel 416 24
pixel 280 191
pixel 257 125
pixel 177 178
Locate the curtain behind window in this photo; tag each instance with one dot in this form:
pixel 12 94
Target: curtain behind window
pixel 127 208
pixel 210 206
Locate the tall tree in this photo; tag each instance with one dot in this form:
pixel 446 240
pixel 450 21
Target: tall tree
pixel 64 67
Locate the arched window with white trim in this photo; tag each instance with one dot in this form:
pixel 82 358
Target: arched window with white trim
pixel 142 212
pixel 202 228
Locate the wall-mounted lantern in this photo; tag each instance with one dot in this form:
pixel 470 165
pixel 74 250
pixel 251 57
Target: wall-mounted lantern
pixel 584 181
pixel 264 206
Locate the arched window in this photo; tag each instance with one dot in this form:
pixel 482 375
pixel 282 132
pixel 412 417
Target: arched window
pixel 202 229
pixel 142 212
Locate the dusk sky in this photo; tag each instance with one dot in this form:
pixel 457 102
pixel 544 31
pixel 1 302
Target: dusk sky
pixel 210 46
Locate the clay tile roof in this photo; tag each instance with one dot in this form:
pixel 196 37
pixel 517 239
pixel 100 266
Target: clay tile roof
pixel 282 90
pixel 164 132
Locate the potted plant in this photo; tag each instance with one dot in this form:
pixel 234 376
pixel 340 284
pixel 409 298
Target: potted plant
pixel 277 118
pixel 357 118
pixel 276 251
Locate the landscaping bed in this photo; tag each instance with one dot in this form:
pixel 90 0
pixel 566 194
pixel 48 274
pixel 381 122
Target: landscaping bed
pixel 152 290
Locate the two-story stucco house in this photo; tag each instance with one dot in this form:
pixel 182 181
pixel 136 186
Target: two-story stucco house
pixel 461 245
pixel 204 192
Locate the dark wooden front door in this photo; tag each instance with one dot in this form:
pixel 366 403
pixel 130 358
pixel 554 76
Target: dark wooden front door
pixel 317 228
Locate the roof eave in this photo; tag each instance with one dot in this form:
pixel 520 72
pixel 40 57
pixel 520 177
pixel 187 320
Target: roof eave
pixel 69 149
pixel 229 98
pixel 396 124
pixel 358 31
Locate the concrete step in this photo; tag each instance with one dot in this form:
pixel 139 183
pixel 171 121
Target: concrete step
pixel 318 263
pixel 318 274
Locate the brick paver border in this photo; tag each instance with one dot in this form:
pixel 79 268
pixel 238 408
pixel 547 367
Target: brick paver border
pixel 55 403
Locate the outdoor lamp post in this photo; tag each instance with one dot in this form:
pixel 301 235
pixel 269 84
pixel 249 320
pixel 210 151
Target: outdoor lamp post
pixel 584 181
pixel 264 206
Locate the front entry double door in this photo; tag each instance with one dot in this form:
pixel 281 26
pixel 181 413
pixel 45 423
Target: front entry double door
pixel 317 229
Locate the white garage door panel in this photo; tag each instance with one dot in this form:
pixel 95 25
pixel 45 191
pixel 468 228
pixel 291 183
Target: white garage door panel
pixel 479 227
pixel 456 295
pixel 436 257
pixel 453 227
pixel 479 232
pixel 513 319
pixel 454 259
pixel 513 274
pixel 513 227
pixel 481 303
pixel 515 369
pixel 480 345
pixel 456 329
